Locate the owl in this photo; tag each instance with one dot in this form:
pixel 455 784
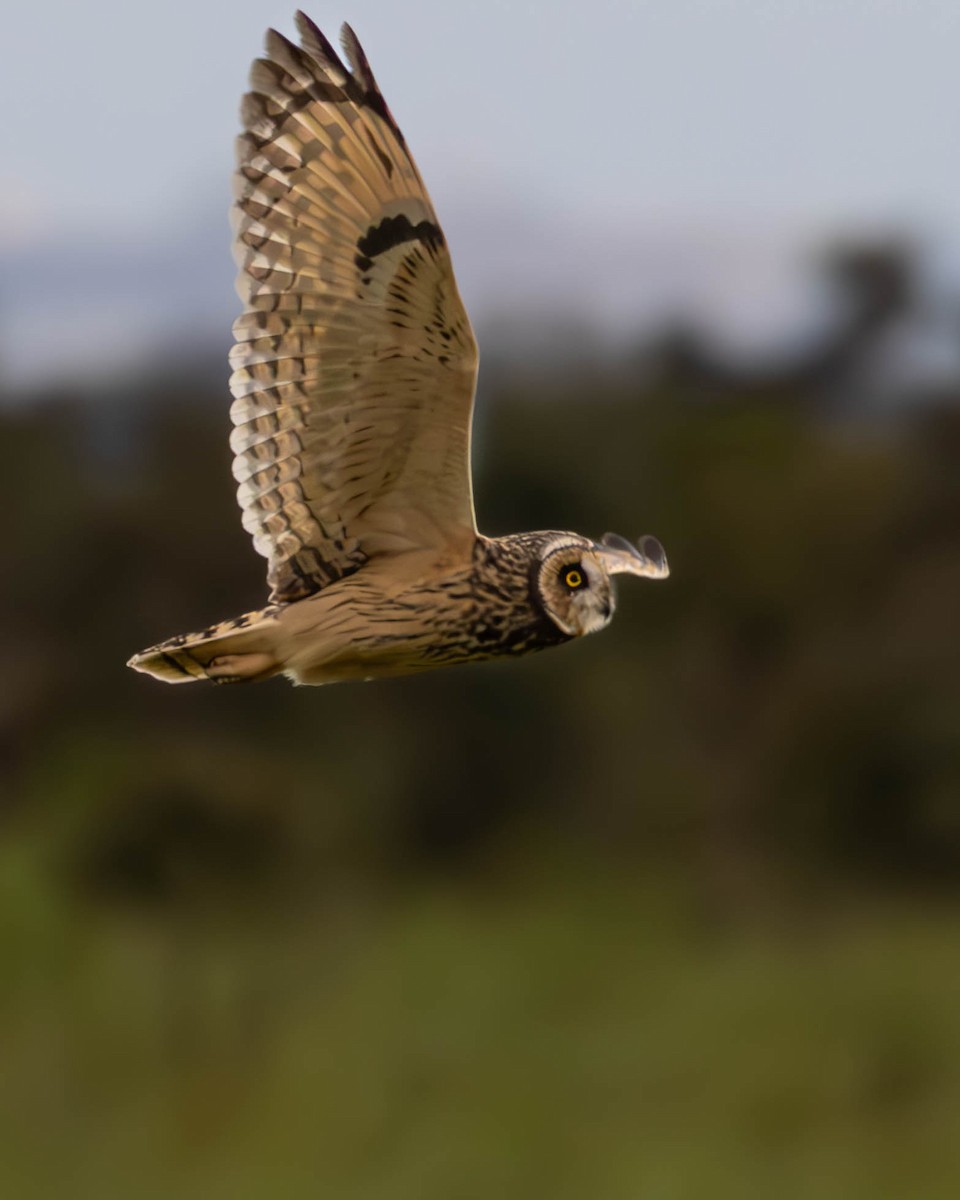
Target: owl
pixel 353 380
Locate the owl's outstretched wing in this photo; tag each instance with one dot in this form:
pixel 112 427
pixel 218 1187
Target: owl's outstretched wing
pixel 355 363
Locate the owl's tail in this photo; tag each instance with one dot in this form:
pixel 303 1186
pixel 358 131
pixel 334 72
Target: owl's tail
pixel 230 652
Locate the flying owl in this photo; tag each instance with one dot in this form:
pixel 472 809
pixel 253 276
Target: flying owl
pixel 353 380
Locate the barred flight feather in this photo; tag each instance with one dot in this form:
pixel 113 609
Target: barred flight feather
pixel 350 300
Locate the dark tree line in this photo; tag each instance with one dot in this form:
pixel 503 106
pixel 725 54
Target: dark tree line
pixel 789 700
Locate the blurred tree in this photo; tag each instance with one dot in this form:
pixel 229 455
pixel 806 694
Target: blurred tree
pixel 789 697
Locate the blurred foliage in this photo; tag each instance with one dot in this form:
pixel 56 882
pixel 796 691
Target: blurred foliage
pixel 557 926
pixel 571 1035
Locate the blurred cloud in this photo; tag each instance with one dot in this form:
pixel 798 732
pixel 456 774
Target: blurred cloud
pixel 624 161
pixel 23 215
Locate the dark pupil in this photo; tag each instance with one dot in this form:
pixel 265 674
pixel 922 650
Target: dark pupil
pixel 573 577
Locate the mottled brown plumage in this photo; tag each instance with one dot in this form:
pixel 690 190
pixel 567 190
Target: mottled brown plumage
pixel 353 382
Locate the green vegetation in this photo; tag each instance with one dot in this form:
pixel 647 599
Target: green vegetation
pixel 570 1035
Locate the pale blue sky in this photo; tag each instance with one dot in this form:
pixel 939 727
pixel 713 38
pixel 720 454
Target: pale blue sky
pixel 669 153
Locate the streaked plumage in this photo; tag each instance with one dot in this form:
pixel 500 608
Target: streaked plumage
pixel 354 374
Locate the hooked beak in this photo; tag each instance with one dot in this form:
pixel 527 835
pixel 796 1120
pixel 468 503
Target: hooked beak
pixel 622 558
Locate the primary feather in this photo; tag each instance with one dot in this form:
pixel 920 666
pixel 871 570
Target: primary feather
pixel 355 363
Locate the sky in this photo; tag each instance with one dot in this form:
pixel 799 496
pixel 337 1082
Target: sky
pixel 623 161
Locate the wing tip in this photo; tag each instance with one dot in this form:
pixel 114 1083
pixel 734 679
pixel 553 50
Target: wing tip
pixel 357 59
pixel 315 41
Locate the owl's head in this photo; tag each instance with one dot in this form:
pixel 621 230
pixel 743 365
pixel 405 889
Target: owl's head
pixel 574 577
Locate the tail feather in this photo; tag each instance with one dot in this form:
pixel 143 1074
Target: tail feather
pixel 184 658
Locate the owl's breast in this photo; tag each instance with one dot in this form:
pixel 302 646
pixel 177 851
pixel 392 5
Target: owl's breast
pixel 355 629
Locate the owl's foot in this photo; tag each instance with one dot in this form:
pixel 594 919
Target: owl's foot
pixel 241 668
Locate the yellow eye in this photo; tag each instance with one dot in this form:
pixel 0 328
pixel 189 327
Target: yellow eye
pixel 573 578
